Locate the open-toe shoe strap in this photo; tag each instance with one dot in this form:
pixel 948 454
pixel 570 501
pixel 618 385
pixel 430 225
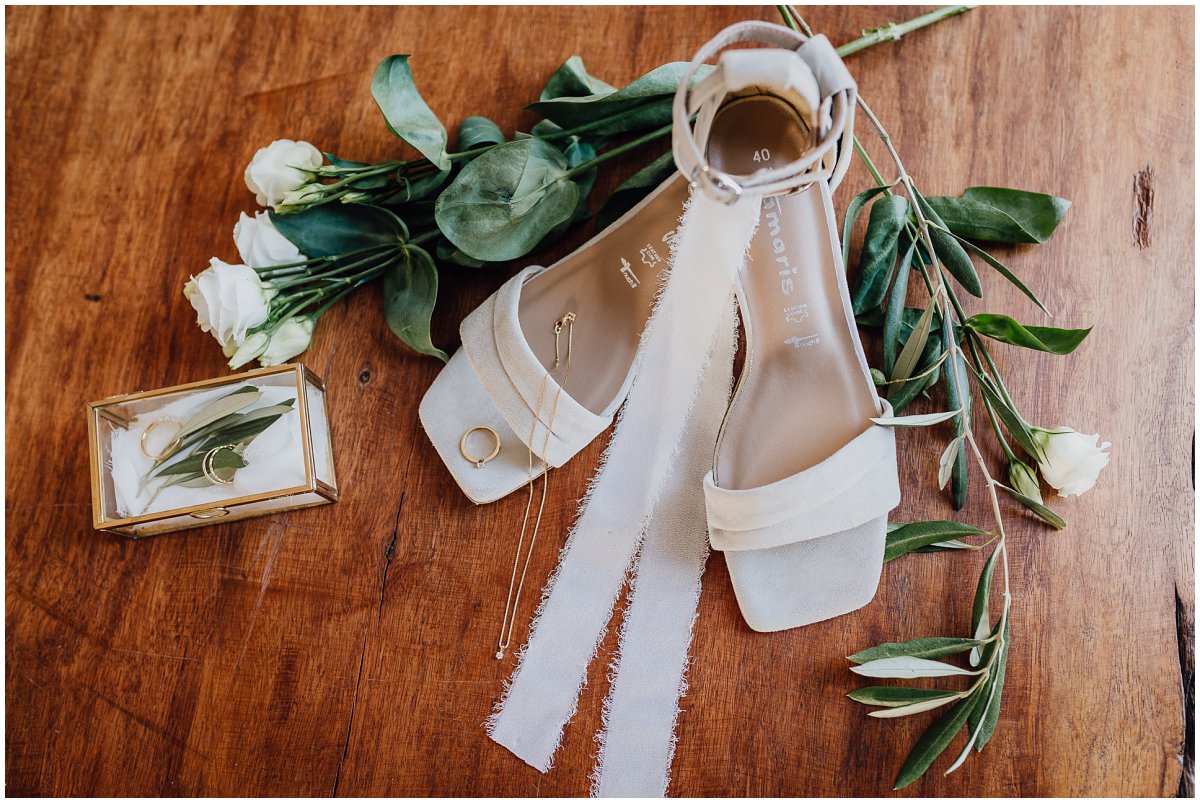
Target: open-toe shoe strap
pixel 854 485
pixel 797 66
pixel 518 384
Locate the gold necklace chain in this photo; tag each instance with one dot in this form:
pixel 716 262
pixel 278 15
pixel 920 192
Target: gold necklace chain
pixel 515 585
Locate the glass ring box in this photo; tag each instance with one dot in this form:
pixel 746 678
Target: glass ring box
pixel 218 450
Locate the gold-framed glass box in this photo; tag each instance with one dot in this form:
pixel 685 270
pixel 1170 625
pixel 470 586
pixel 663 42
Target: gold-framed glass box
pixel 212 451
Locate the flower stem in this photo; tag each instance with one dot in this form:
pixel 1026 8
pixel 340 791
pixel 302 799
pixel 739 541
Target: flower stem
pixel 620 149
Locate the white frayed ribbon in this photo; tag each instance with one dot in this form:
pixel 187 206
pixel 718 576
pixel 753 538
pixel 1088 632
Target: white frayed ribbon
pixel 647 493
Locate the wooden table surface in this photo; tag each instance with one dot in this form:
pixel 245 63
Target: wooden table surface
pixel 349 650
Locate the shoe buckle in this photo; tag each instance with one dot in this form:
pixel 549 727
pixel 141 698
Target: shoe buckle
pixel 716 185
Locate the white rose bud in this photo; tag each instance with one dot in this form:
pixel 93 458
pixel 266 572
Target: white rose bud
pixel 253 346
pixel 281 167
pixel 289 340
pixel 1024 480
pixel 300 197
pixel 260 243
pixel 1072 461
pixel 229 300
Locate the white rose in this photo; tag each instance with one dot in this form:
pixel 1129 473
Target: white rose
pixel 289 340
pixel 229 300
pixel 281 167
pixel 260 243
pixel 1072 461
pixel 250 348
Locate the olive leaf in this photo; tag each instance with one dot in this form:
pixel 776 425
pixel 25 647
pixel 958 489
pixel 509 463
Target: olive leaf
pixel 888 216
pixel 957 393
pixel 910 537
pixel 634 189
pixel 936 647
pixel 1003 270
pixel 906 362
pixel 193 464
pixel 946 461
pixel 506 201
pixel 895 696
pixel 243 430
pixel 476 131
pixel 1002 215
pixel 410 286
pixel 956 260
pixel 894 317
pixel 645 103
pixel 572 80
pixel 916 708
pixel 935 740
pixel 903 666
pixel 928 364
pixel 981 625
pixel 406 113
pixel 1039 338
pixel 219 408
pixel 991 713
pixel 923 420
pixel 853 210
pixel 1037 508
pixel 337 229
pixel 1009 417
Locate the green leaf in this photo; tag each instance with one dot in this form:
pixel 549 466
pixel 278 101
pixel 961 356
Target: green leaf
pixel 1009 417
pixel 919 534
pixel 572 80
pixel 903 666
pixel 924 420
pixel 915 708
pixel 981 623
pixel 991 714
pixel 406 112
pixel 1039 338
pixel 414 189
pixel 634 189
pixel 224 459
pixel 893 319
pixel 219 408
pixel 335 229
pixel 895 696
pixel 936 647
pixel 643 104
pixel 947 546
pixel 410 287
pixel 913 347
pixel 956 260
pixel 888 216
pixel 928 365
pixel 934 741
pixel 998 214
pixel 506 201
pixel 1002 270
pixel 853 210
pixel 241 431
pixel 447 252
pixel 946 461
pixel 476 131
pixel 957 394
pixel 1037 508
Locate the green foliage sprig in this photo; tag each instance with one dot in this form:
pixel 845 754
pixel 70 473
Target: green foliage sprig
pixel 939 344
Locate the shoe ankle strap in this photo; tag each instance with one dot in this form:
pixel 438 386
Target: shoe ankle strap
pixel 797 64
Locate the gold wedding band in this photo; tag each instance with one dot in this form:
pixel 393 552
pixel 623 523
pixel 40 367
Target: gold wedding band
pixel 170 447
pixel 209 470
pixel 478 461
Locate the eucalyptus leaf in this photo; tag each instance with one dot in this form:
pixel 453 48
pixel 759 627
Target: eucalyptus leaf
pixel 888 216
pixel 981 625
pixel 476 131
pixel 956 260
pixel 935 740
pixel 410 286
pixel 1003 270
pixel 332 230
pixel 634 189
pixel 935 647
pixel 643 104
pixel 1003 215
pixel 572 80
pixel 924 420
pixel 1037 508
pixel 416 188
pixel 406 113
pixel 447 252
pixel 908 667
pixel 910 537
pixel 853 210
pixel 1039 338
pixel 895 696
pixel 915 708
pixel 506 201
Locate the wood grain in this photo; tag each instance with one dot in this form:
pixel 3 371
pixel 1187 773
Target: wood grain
pixel 347 650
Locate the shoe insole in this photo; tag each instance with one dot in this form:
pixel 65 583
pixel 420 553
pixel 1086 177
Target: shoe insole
pixel 803 393
pixel 610 284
